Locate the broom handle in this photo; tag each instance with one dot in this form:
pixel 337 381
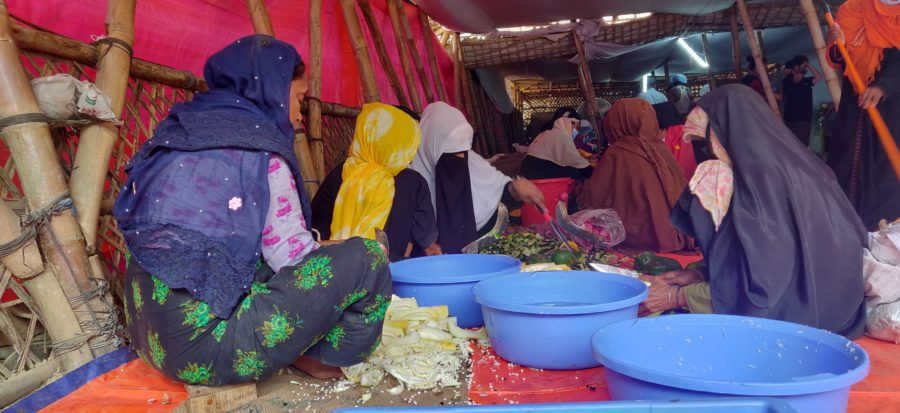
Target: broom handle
pixel 887 141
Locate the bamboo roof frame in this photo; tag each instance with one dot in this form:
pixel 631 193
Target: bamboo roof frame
pixel 499 50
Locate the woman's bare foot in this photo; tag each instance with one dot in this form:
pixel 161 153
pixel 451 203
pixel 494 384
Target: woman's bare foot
pixel 316 369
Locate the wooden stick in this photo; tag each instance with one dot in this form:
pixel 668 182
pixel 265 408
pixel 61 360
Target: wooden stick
pixel 884 134
pixel 43 180
pixel 428 36
pixel 22 384
pixel 360 51
pixel 404 56
pixel 445 37
pixel 587 83
pixel 43 42
pixel 312 140
pixel 26 261
pixel 758 57
pixel 338 110
pixel 97 140
pixel 736 45
pixel 260 17
pixel 707 53
pixel 815 30
pixel 383 57
pixel 413 51
pixel 457 70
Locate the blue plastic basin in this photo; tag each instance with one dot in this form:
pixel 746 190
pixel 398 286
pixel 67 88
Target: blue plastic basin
pixel 675 406
pixel 448 280
pixel 545 320
pixel 703 356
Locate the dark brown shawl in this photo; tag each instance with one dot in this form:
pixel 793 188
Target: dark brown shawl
pixel 638 178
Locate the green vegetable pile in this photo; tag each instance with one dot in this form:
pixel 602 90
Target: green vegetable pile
pixel 532 248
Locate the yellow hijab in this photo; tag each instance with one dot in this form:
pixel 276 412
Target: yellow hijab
pixel 384 143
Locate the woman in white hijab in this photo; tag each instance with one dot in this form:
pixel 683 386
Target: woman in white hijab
pixel 465 189
pixel 553 153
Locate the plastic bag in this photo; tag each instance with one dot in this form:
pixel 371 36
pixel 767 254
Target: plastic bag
pixel 882 281
pixel 885 244
pixel 63 97
pixel 883 322
pixel 604 224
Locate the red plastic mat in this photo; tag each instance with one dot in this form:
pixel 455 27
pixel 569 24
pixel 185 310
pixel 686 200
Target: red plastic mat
pixel 496 381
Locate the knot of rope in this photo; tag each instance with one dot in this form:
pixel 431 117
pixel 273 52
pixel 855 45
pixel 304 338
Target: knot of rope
pixel 32 220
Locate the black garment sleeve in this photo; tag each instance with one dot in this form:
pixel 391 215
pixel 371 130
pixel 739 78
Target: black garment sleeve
pixel 888 78
pixel 323 203
pixel 424 223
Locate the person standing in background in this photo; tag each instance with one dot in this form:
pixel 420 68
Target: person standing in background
pixel 796 88
pixel 679 95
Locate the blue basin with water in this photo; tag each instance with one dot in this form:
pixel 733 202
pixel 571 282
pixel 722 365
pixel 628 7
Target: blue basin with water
pixel 697 356
pixel 448 280
pixel 546 319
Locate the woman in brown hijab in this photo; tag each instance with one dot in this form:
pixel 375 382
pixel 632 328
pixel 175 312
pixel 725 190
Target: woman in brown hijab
pixel 638 178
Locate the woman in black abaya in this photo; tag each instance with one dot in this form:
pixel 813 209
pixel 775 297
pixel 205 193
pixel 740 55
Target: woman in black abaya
pixel 779 236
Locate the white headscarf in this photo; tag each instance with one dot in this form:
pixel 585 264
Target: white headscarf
pixel 556 145
pixel 445 130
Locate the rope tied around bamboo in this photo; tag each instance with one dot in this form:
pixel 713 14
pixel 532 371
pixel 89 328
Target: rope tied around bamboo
pixel 30 222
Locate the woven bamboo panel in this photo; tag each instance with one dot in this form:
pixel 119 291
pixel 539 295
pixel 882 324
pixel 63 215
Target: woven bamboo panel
pixel 536 96
pixel 482 52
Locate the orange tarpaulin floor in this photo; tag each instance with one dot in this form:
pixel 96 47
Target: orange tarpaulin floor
pixel 495 381
pixel 131 388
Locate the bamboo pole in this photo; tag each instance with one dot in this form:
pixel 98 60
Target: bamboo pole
pixel 404 56
pixel 707 53
pixel 414 55
pixel 457 70
pixel 260 17
pixel 758 57
pixel 97 140
pixel 815 30
pixel 312 142
pixel 445 37
pixel 736 45
pixel 43 42
pixel 381 49
pixel 43 181
pixel 360 51
pixel 428 36
pixel 587 83
pixel 26 382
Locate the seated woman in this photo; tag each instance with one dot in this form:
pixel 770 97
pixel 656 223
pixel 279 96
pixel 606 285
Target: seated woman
pixel 225 284
pixel 638 178
pixel 410 219
pixel 465 188
pixel 671 125
pixel 780 239
pixel 553 153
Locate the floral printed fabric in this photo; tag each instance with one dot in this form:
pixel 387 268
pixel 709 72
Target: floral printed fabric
pixel 713 181
pixel 330 306
pixel 285 238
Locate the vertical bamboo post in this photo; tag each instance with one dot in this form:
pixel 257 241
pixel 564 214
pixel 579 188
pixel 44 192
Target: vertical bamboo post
pixel 457 70
pixel 758 57
pixel 815 30
pixel 312 142
pixel 736 45
pixel 43 181
pixel 260 18
pixel 394 14
pixel 587 82
pixel 666 73
pixel 383 57
pixel 707 53
pixel 445 37
pixel 428 36
pixel 97 140
pixel 360 51
pixel 413 51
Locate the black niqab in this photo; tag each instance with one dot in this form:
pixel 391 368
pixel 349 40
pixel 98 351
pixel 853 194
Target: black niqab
pixel 791 245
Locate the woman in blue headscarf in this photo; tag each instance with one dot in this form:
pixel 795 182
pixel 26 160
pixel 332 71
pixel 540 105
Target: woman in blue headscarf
pixel 225 283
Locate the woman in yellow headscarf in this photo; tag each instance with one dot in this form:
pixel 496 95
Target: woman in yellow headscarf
pixel 384 143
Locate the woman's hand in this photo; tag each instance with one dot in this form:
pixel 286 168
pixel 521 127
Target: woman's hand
pixel 871 97
pixel 662 297
pixel 681 277
pixel 433 249
pixel 835 34
pixel 525 191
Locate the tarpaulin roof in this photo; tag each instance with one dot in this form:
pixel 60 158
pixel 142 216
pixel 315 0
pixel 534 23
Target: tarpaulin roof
pixel 183 33
pixel 482 16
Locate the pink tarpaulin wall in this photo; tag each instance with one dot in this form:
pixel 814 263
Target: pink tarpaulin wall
pixel 183 33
